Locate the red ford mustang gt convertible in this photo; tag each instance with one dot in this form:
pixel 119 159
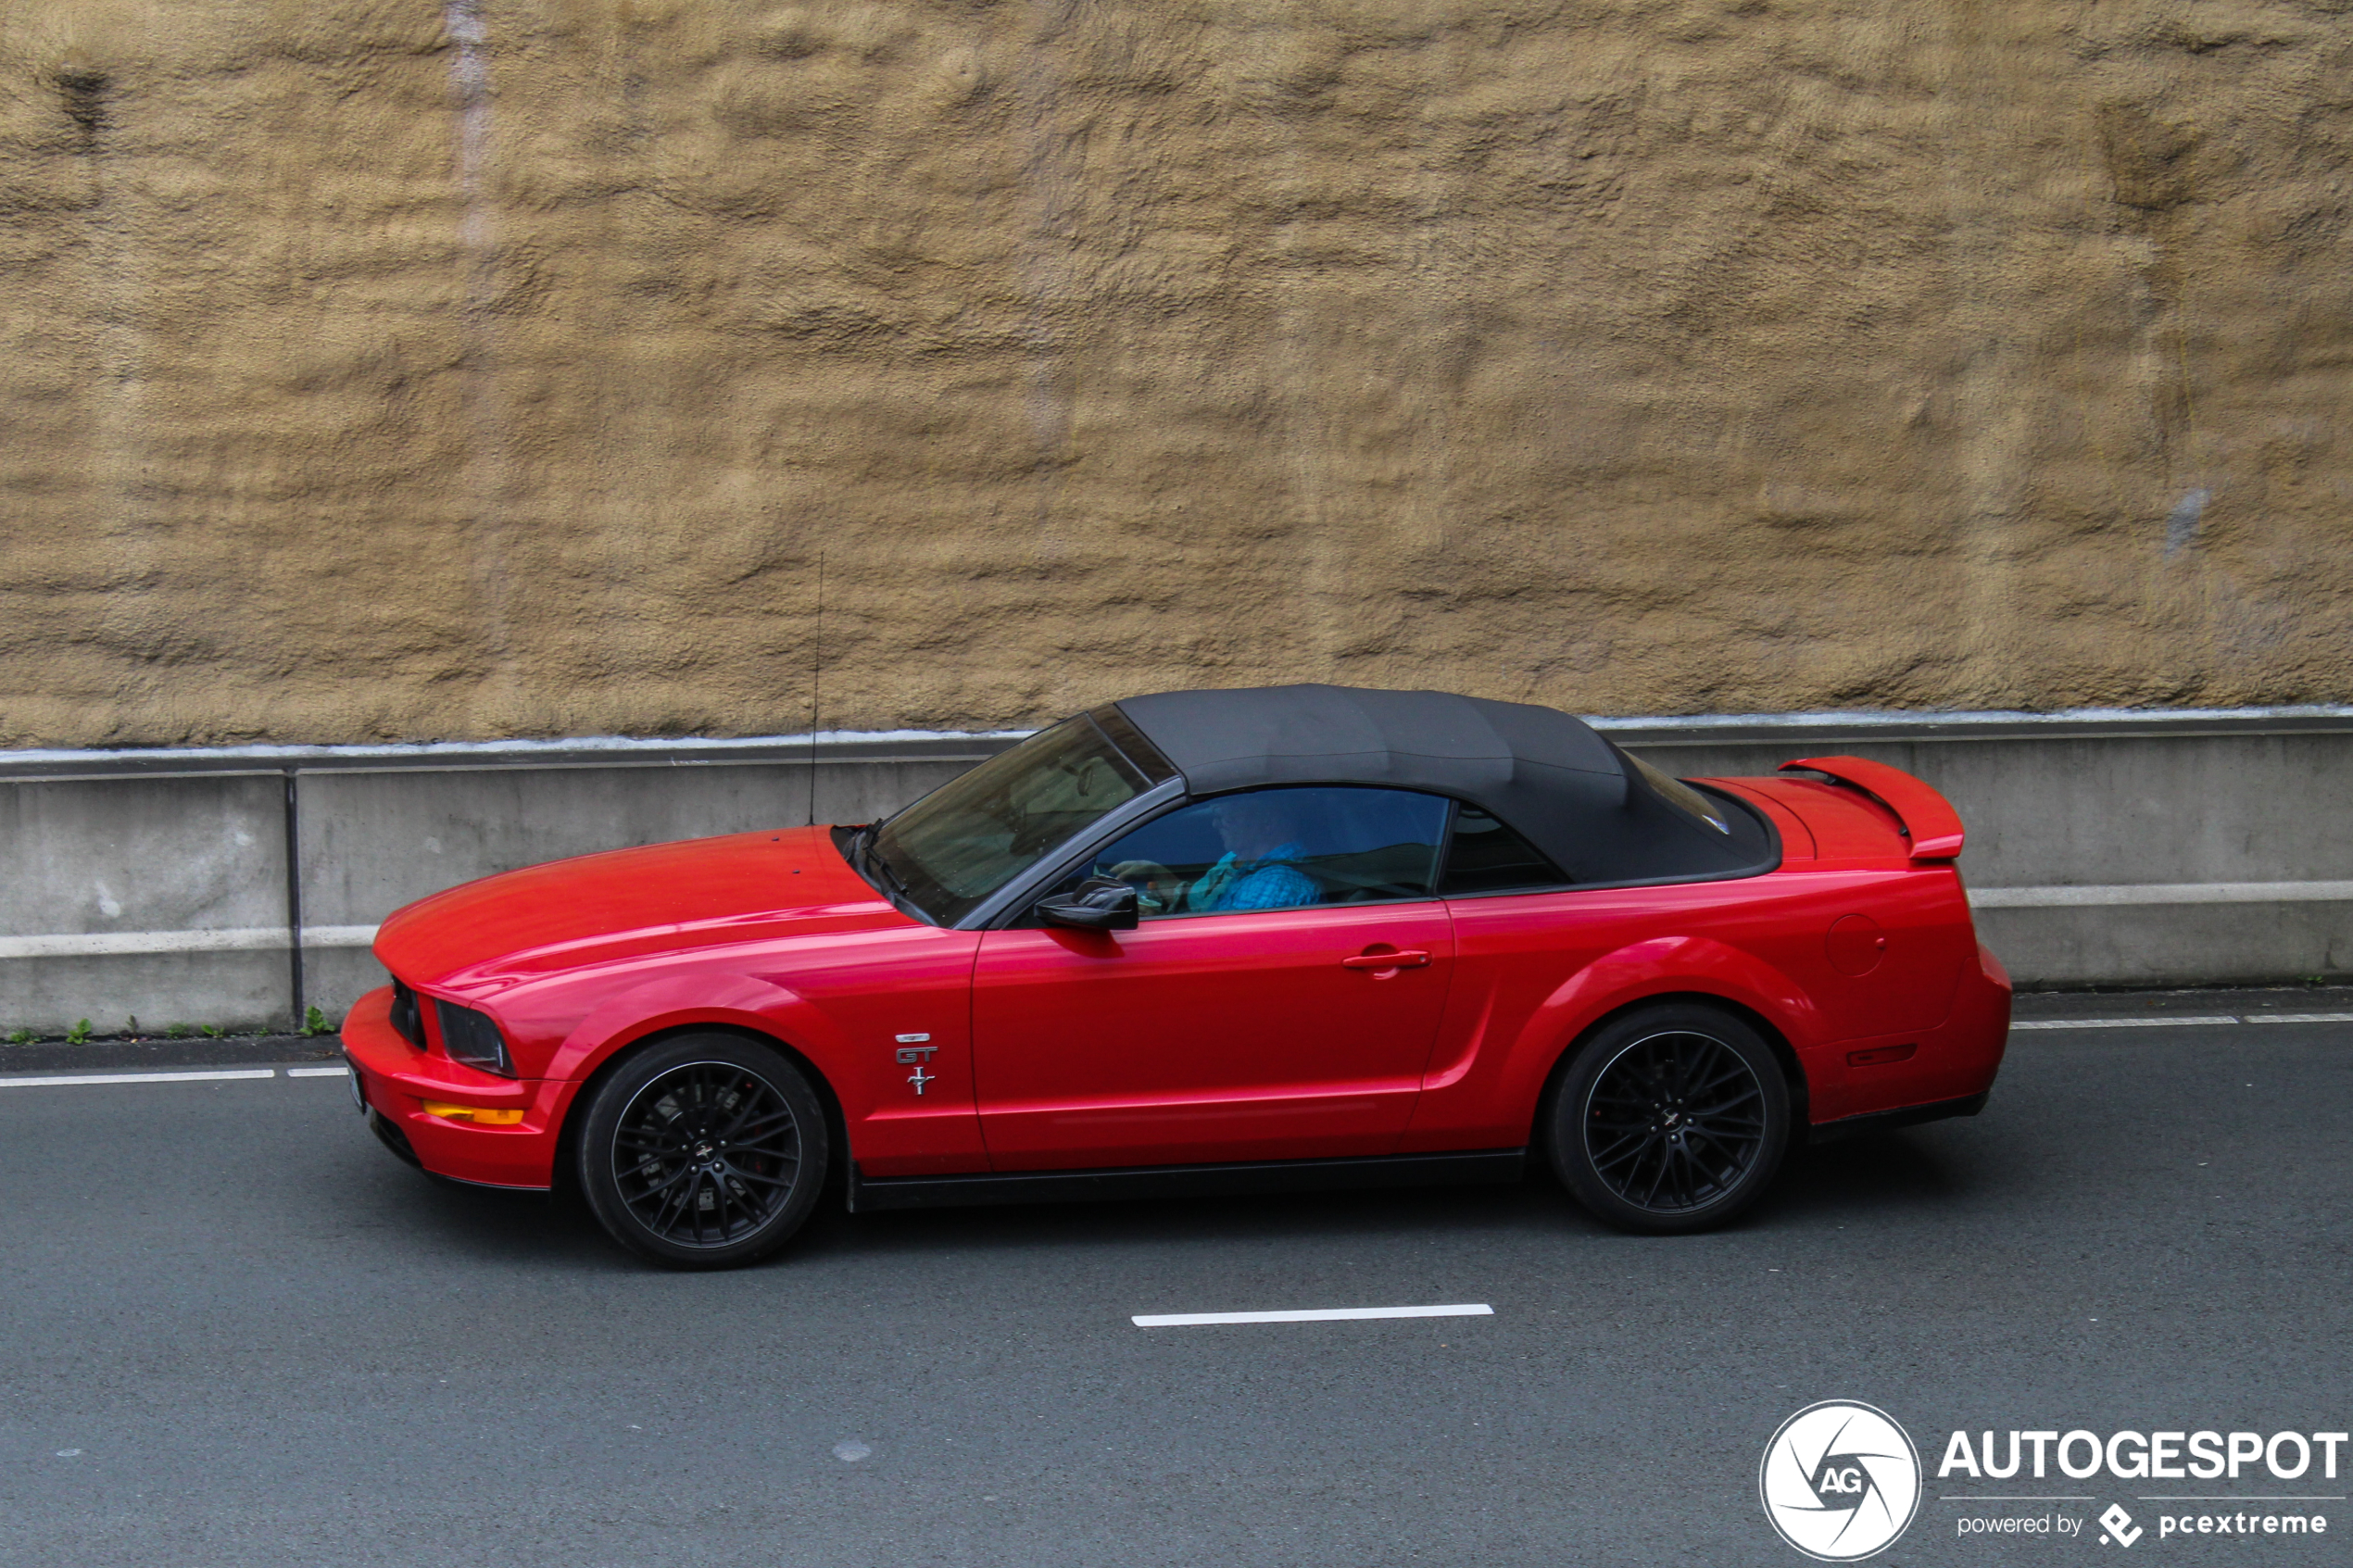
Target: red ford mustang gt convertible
pixel 1203 942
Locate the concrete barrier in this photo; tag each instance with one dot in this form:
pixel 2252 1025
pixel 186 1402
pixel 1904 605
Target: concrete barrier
pixel 2105 849
pixel 2114 850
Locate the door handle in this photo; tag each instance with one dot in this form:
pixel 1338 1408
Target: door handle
pixel 1387 960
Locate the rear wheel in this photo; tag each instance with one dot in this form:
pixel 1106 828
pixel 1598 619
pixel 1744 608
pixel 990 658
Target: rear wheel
pixel 1670 1119
pixel 706 1151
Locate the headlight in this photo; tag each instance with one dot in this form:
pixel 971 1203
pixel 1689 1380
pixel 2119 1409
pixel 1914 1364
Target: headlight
pixel 471 1037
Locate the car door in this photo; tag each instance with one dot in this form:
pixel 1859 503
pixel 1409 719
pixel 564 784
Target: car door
pixel 1278 1001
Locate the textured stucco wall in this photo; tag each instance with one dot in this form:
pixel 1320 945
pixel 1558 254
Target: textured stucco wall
pixel 395 369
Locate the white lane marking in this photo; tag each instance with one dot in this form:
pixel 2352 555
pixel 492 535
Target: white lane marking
pixel 318 1071
pixel 1315 1314
pixel 2110 896
pixel 2299 1018
pixel 72 1080
pixel 228 939
pixel 2121 1023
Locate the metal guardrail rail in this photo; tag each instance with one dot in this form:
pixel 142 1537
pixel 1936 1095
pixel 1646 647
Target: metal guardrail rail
pixel 1902 725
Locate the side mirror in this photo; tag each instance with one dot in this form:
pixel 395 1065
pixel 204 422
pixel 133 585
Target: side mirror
pixel 1099 904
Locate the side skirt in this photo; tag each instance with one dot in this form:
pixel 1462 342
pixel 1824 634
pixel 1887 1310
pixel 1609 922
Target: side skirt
pixel 1881 1120
pixel 868 1193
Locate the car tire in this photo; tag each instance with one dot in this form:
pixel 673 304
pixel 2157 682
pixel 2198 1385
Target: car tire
pixel 1669 1118
pixel 704 1151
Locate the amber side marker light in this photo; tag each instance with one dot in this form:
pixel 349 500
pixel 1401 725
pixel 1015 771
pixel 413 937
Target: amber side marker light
pixel 1877 1055
pixel 480 1115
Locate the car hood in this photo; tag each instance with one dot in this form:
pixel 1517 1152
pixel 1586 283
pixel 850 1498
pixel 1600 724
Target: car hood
pixel 522 924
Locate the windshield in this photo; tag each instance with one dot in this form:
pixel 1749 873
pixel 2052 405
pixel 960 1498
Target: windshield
pixel 952 849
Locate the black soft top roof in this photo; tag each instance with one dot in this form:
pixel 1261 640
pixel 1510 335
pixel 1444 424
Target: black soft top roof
pixel 1549 776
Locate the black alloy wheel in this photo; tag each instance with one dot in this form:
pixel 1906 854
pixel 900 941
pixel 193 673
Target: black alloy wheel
pixel 705 1151
pixel 1670 1119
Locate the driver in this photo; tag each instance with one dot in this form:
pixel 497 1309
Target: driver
pixel 1260 867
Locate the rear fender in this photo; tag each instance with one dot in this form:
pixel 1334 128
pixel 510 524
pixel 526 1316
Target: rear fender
pixel 1665 966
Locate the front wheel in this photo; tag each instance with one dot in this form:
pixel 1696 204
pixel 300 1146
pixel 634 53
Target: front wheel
pixel 706 1151
pixel 1670 1119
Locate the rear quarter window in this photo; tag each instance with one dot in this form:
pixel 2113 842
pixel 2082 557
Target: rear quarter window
pixel 1485 856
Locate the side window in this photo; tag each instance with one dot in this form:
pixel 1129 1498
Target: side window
pixel 1486 856
pixel 1280 849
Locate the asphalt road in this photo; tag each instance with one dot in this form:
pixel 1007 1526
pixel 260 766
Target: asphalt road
pixel 237 1333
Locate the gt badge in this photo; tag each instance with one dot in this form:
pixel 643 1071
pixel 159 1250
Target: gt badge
pixel 913 1053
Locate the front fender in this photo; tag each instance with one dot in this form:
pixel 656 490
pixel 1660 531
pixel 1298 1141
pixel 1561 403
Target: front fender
pixel 676 1001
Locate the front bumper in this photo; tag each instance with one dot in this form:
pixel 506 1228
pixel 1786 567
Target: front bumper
pixel 396 1081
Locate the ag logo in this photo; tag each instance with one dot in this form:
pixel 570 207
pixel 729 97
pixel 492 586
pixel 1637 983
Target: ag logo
pixel 1840 1481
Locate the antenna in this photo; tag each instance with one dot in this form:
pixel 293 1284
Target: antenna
pixel 816 674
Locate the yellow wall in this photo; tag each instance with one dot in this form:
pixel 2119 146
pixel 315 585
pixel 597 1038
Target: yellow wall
pixel 383 368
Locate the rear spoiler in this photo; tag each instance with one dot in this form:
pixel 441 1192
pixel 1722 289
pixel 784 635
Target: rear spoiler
pixel 1929 818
